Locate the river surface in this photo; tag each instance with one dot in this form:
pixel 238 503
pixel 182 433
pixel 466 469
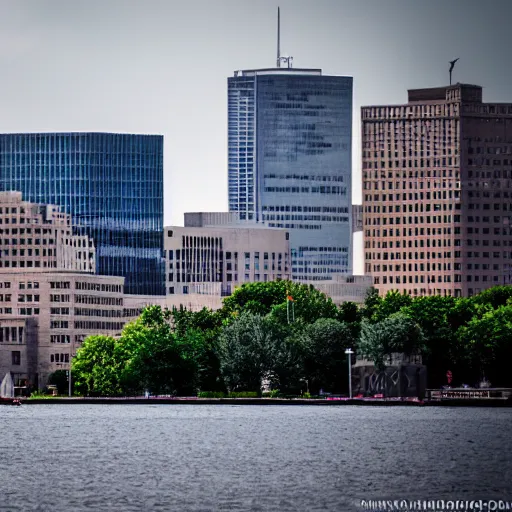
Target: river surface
pixel 225 457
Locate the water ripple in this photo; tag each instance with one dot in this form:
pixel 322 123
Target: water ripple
pixel 247 458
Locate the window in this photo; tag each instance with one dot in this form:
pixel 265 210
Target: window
pixel 16 357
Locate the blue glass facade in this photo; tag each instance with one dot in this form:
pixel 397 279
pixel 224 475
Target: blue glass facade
pixel 289 162
pixel 112 185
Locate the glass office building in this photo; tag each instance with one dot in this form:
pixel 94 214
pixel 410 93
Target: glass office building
pixel 290 160
pixel 112 185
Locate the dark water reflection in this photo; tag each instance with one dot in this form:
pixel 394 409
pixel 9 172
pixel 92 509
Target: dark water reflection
pixel 202 457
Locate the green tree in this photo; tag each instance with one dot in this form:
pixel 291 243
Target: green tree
pixel 252 348
pixel 325 364
pixel 489 338
pixel 391 303
pixel 159 360
pixel 207 325
pixel 396 334
pixel 262 298
pixel 351 314
pixel 96 368
pixel 371 304
pixel 440 318
pixel 495 297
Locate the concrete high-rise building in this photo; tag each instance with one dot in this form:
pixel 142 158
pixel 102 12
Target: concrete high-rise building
pixel 289 162
pixel 112 185
pixel 437 190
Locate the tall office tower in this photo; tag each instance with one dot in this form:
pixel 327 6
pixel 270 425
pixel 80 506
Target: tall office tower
pixel 437 189
pixel 111 184
pixel 289 162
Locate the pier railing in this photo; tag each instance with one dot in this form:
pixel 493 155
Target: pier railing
pixel 483 393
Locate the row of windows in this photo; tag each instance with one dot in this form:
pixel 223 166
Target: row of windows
pixel 307 209
pixel 59 358
pixel 413 174
pixel 59 298
pixel 417 267
pixel 313 190
pixel 92 299
pixel 322 249
pixel 60 338
pixel 108 313
pixel 12 209
pixel 418 206
pixel 436 242
pixel 422 111
pixel 27 264
pixel 411 197
pixel 488 162
pixel 105 326
pixel 114 288
pixel 27 231
pixel 59 311
pixel 413 185
pixel 412 164
pixel 14 220
pixel 27 285
pixel 303 177
pixel 433 279
pixel 28 311
pixel 30 241
pixel 11 334
pixel 410 232
pixel 322 218
pixel 412 256
pixel 60 285
pixel 295 226
pixel 28 298
pixel 59 324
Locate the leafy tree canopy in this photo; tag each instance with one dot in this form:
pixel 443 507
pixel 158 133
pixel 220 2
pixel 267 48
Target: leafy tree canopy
pixel 261 298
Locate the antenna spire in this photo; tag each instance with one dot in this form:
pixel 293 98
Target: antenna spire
pixel 278 38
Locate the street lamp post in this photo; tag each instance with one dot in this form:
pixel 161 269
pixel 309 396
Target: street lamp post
pixel 69 379
pixel 349 353
pixel 69 374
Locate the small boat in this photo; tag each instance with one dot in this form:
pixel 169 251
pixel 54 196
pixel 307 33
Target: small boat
pixel 7 391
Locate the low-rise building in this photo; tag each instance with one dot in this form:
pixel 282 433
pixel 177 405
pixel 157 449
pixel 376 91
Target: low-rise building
pixel 200 259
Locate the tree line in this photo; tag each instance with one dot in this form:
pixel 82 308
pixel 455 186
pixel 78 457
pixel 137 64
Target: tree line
pixel 293 338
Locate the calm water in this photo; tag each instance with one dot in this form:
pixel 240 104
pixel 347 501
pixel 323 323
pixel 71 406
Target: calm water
pixel 201 457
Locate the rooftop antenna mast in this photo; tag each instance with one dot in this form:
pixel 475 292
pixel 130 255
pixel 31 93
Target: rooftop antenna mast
pixel 278 38
pixel 280 59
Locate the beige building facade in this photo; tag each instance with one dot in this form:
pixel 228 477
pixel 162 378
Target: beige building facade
pixel 50 299
pixel 209 260
pixel 437 189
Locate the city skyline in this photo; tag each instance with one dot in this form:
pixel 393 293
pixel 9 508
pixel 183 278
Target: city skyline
pixel 161 68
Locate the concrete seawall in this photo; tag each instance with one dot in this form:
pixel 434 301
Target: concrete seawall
pixel 272 401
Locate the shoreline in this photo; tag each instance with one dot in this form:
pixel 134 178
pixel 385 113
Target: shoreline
pixel 450 402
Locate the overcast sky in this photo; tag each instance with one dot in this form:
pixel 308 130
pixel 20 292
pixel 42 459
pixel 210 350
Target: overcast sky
pixel 160 66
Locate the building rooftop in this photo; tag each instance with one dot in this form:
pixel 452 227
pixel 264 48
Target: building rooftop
pixel 278 71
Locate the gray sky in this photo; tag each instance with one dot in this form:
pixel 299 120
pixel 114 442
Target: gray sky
pixel 160 66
